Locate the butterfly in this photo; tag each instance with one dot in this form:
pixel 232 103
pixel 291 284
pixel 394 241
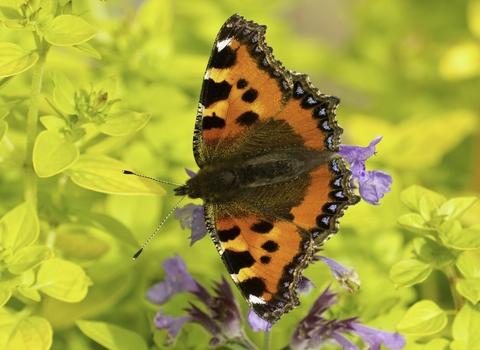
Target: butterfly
pixel 273 185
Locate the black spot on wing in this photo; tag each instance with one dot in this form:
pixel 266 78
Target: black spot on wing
pixel 270 246
pixel 242 83
pixel 265 259
pixel 227 235
pixel 262 227
pixel 250 95
pixel 235 261
pixel 214 92
pixel 226 58
pixel 213 122
pixel 246 119
pixel 254 286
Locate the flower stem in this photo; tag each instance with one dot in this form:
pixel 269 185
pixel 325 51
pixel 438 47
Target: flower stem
pixel 30 189
pixel 266 340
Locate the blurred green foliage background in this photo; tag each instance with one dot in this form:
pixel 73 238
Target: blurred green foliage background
pixel 408 70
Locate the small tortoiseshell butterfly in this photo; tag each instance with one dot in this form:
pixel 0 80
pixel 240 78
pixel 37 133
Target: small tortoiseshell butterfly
pixel 273 185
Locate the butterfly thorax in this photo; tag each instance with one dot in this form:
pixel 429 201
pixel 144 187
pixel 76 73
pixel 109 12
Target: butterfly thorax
pixel 225 181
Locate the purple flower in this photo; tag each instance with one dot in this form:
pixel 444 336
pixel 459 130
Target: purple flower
pixel 222 318
pixel 191 217
pixel 178 280
pixel 257 323
pixel 374 337
pixel 348 278
pixel 315 330
pixel 372 184
pixel 171 325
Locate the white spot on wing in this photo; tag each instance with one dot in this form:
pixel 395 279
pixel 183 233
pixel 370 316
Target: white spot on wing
pixel 253 299
pixel 224 43
pixel 234 278
pixel 207 74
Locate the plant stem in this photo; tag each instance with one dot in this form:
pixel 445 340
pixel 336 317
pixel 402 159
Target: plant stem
pixel 30 189
pixel 452 278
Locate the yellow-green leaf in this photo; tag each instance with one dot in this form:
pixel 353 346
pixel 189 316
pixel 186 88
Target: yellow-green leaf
pixel 111 336
pixel 28 257
pixel 103 174
pixel 123 123
pixel 19 227
pixel 67 30
pixel 24 333
pixel 465 328
pixel 52 154
pixel 14 59
pixel 423 318
pixel 406 273
pixel 63 93
pixel 469 288
pixel 63 280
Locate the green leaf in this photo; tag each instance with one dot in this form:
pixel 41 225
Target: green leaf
pixel 103 174
pixel 53 123
pixel 124 122
pixel 9 11
pixel 423 318
pixel 78 242
pixel 19 227
pixel 465 328
pixel 108 85
pixel 30 293
pixel 469 288
pixel 466 239
pixel 431 252
pixel 14 59
pixel 111 336
pixel 5 295
pixel 408 272
pixel 428 208
pixel 437 344
pixel 412 195
pixel 89 50
pixel 27 258
pixel 63 93
pixel 22 332
pixel 114 227
pixel 455 207
pixel 3 129
pixel 468 263
pixel 69 30
pixel 415 223
pixel 63 280
pixel 52 154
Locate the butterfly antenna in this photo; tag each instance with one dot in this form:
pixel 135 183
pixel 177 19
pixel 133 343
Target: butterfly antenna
pixel 128 172
pixel 157 229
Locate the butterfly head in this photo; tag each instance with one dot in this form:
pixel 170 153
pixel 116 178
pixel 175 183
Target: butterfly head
pixel 211 183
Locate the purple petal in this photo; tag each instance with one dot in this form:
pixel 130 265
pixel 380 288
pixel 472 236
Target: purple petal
pixel 375 337
pixel 200 317
pixel 190 173
pixel 257 323
pixel 191 216
pixel 178 280
pixel 344 342
pixel 170 324
pixel 305 286
pixel 357 153
pixel 348 278
pixel 226 310
pixel 374 185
